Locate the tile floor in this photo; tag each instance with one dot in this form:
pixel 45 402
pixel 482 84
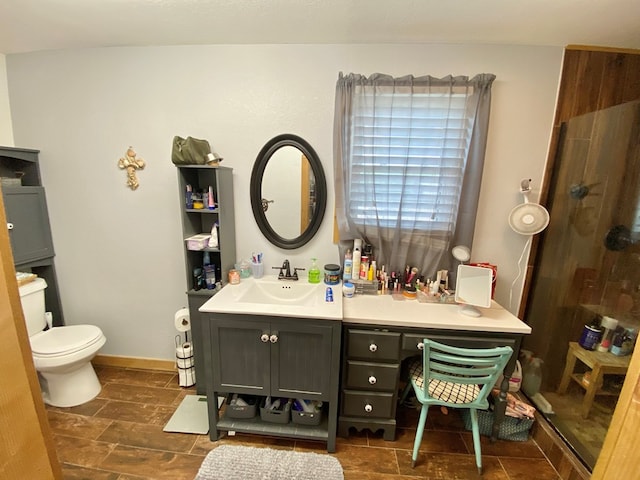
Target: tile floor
pixel 118 436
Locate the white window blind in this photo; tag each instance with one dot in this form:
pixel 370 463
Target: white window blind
pixel 408 157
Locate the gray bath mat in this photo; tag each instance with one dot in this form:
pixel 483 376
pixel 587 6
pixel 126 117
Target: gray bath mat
pixel 230 462
pixel 190 417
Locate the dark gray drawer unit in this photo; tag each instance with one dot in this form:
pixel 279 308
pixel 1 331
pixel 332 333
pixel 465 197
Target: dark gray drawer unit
pixel 371 369
pixel 371 362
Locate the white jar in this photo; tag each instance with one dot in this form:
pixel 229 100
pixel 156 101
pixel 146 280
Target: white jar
pixel 348 289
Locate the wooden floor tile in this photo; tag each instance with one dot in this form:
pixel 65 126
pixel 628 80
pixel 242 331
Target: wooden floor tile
pixel 440 466
pixel 137 377
pixel 77 425
pixel 152 463
pixel 139 394
pixel 81 451
pixel 147 436
pixel 522 468
pixel 137 412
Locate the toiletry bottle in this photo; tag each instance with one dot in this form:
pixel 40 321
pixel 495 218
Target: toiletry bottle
pixel 211 204
pixel 314 272
pixel 348 264
pixel 357 255
pixel 189 197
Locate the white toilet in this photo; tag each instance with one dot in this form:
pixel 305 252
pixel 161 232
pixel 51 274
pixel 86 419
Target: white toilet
pixel 62 355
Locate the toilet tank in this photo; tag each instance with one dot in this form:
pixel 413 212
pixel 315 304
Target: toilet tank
pixel 32 298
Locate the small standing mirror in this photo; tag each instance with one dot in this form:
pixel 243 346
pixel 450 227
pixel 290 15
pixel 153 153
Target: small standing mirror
pixel 473 289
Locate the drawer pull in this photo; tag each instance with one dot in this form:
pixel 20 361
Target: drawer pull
pixel 420 346
pixel 372 380
pixel 273 338
pixel 264 338
pixel 373 347
pixel 368 408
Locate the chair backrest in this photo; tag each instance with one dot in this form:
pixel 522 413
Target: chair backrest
pixel 470 366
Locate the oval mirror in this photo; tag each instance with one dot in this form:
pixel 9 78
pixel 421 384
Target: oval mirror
pixel 288 191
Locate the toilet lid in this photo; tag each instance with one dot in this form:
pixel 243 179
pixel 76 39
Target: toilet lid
pixel 64 340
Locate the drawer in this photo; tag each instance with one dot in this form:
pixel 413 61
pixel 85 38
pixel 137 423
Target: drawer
pixel 373 345
pixel 372 376
pixel 411 341
pixel 367 404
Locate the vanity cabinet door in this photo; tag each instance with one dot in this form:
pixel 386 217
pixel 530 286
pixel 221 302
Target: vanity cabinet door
pixel 240 356
pixel 300 360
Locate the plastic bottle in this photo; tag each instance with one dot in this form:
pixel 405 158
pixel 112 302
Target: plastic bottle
pixel 357 255
pixel 532 377
pixel 314 272
pixel 348 265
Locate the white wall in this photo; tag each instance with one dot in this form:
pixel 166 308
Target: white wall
pixel 6 130
pixel 119 252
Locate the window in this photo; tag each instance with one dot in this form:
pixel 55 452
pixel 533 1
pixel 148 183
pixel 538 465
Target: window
pixel 408 156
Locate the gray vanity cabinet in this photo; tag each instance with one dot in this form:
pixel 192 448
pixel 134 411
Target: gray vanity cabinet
pixel 278 357
pixel 282 358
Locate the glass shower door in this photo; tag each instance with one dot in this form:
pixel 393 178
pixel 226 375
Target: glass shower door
pixel 588 274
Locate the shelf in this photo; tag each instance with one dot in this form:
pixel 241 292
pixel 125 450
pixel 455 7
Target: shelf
pixel 259 426
pixel 203 292
pixel 578 379
pixel 201 210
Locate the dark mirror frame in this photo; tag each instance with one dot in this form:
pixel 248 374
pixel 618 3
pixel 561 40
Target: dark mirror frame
pixel 255 189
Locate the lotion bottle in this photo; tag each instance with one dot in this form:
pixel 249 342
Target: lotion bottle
pixel 348 265
pixel 357 255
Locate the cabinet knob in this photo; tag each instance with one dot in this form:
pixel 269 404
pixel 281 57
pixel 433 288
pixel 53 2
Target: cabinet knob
pixel 420 346
pixel 264 338
pixel 273 338
pixel 9 226
pixel 372 380
pixel 368 408
pixel 373 347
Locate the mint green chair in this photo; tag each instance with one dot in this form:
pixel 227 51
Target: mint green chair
pixel 456 378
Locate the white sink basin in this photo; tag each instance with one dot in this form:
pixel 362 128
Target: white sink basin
pixel 270 296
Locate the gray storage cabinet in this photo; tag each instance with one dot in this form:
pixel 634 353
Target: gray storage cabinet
pixel 28 222
pixel 198 221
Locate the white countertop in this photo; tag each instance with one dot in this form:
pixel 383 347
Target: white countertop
pixel 280 298
pixel 384 310
pixel 390 311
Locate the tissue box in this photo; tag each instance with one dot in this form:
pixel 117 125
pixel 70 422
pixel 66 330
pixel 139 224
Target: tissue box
pixel 198 242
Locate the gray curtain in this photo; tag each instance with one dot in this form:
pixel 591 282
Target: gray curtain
pixel 425 245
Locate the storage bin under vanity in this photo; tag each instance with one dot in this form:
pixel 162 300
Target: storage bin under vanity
pixel 306 418
pixel 281 414
pixel 241 406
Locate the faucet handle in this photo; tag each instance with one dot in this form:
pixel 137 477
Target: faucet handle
pixel 295 272
pixel 280 273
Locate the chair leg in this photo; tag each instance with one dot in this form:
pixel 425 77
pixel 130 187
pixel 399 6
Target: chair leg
pixel 419 432
pixel 405 392
pixel 475 431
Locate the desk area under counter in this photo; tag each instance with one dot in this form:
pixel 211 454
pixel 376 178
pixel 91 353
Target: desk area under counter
pixel 380 331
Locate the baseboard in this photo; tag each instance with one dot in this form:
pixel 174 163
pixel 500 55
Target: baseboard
pixel 134 362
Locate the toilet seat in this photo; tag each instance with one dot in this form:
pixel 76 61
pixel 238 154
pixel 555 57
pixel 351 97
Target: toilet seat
pixel 63 341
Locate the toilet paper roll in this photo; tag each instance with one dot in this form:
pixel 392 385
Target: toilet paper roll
pixel 182 320
pixel 184 351
pixel 187 378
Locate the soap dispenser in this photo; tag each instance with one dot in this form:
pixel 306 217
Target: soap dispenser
pixel 314 272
